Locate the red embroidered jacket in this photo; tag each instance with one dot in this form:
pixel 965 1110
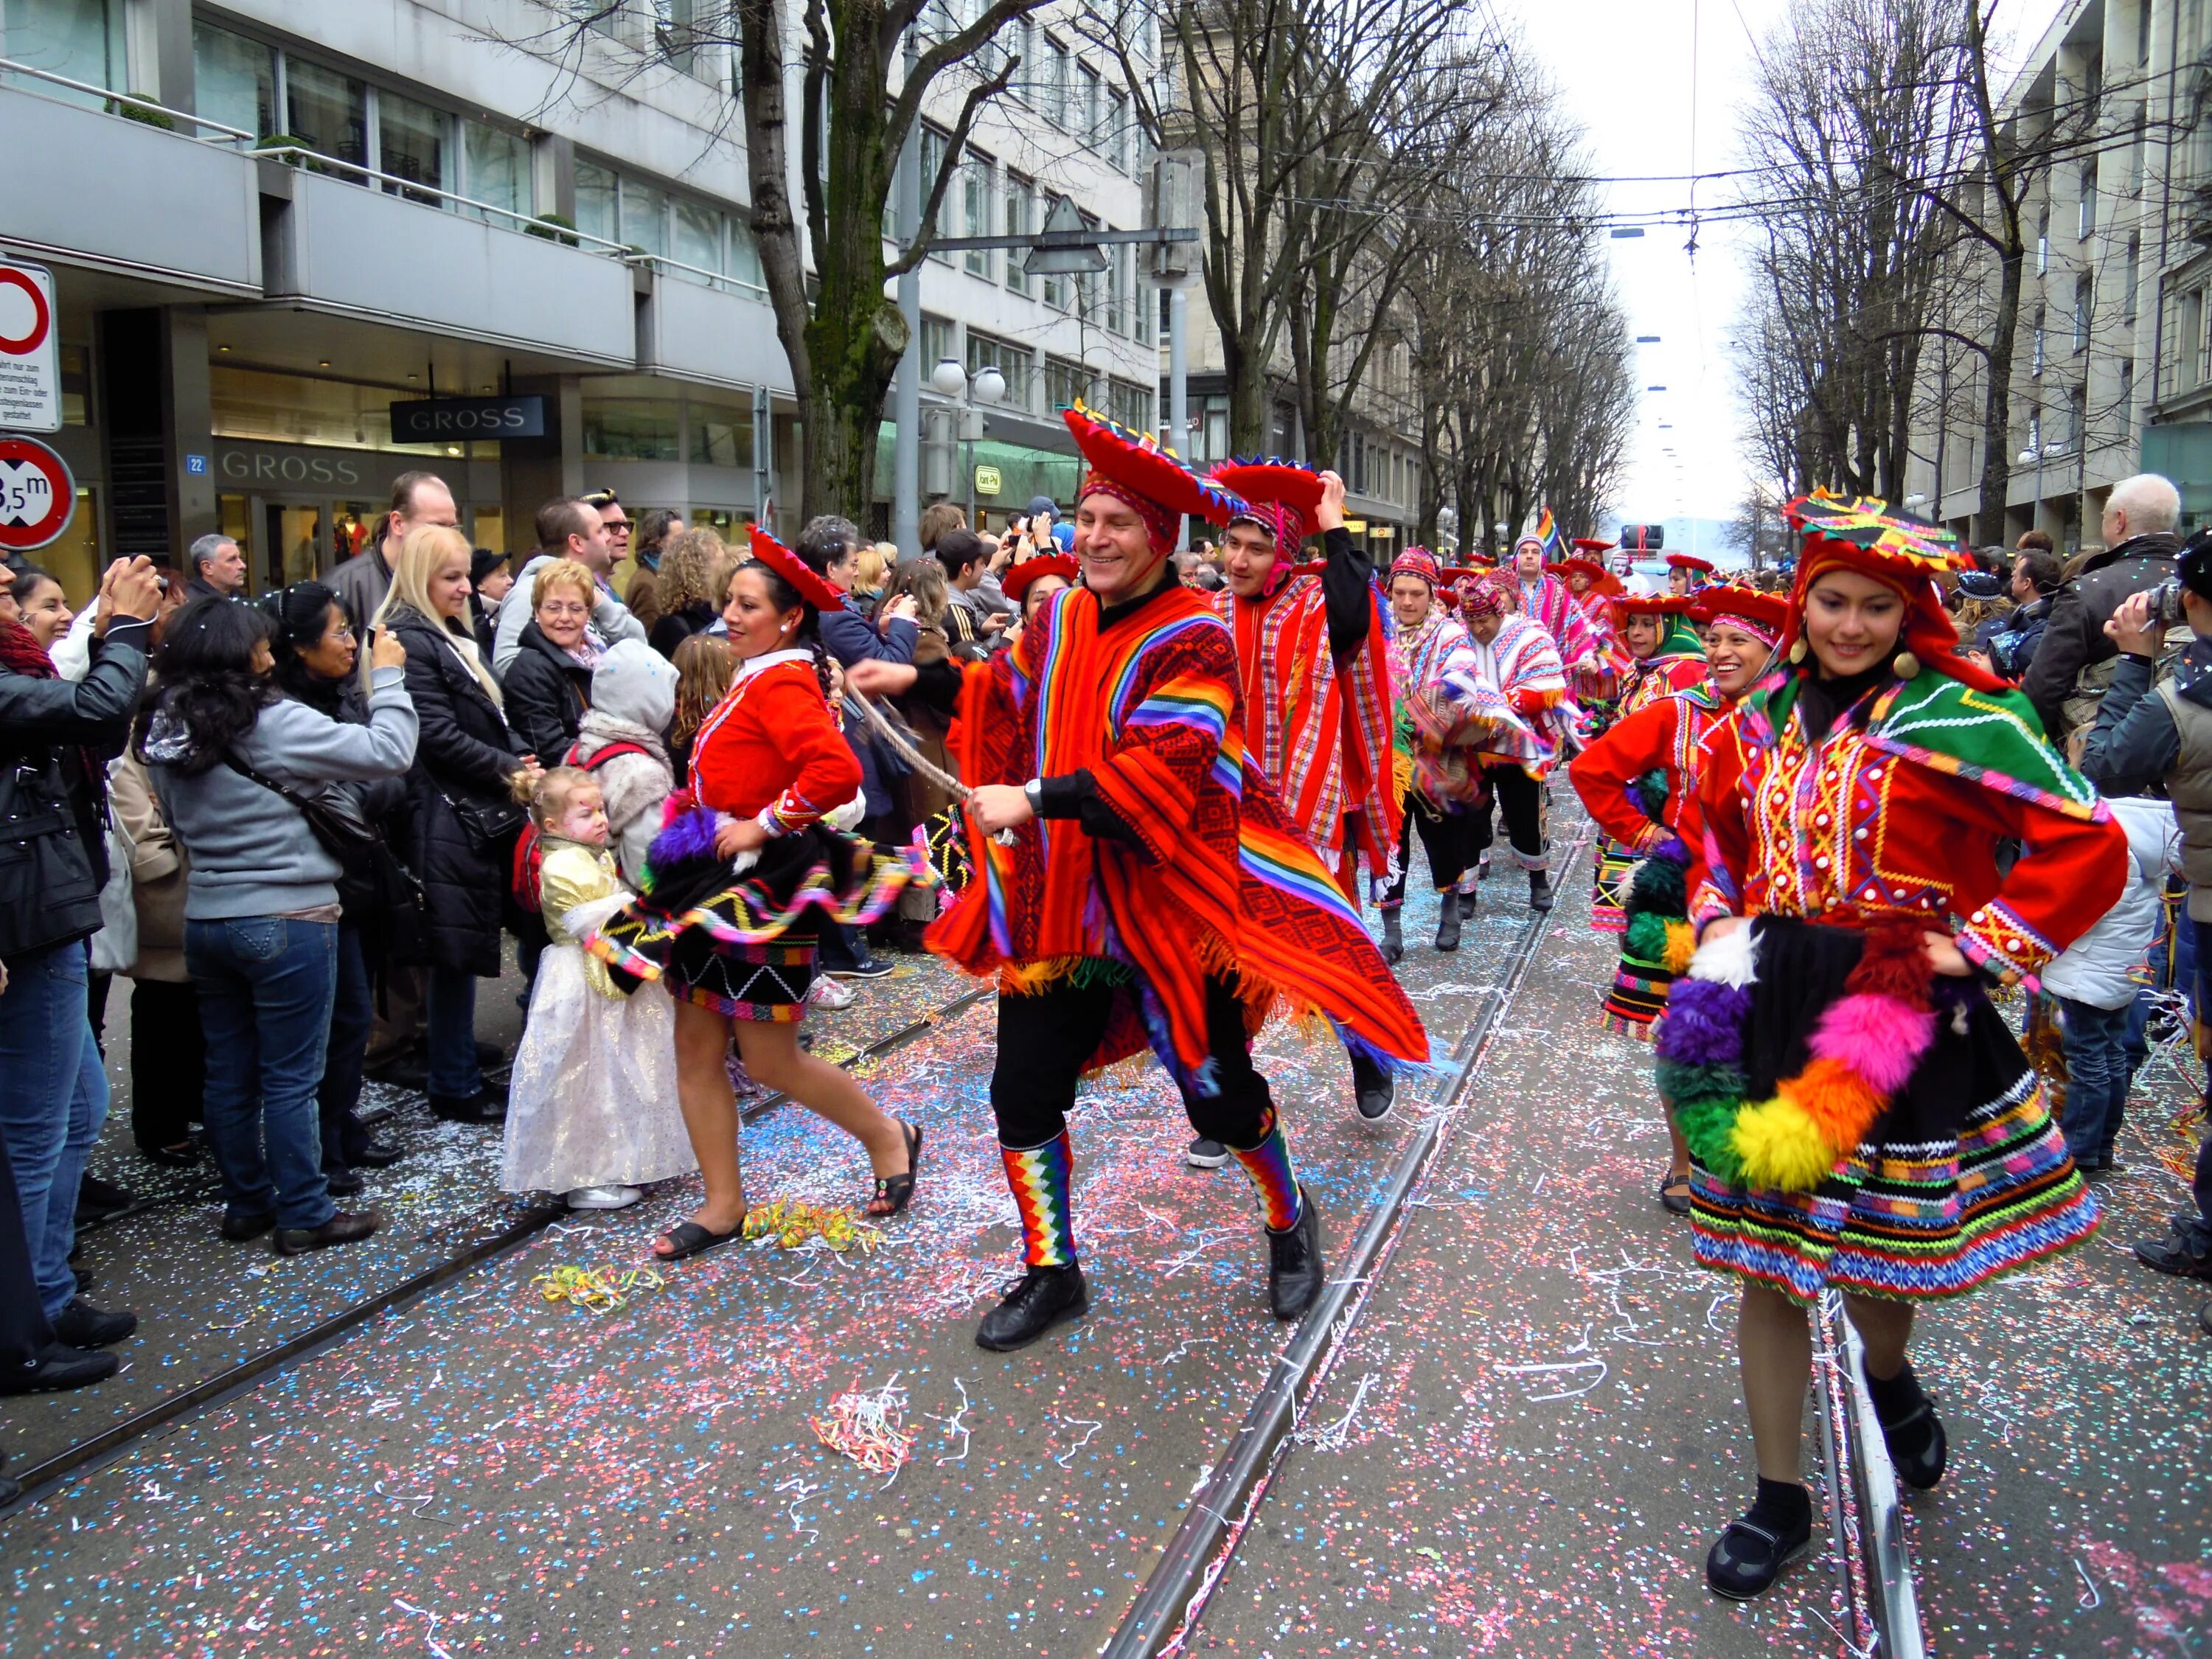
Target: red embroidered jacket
pixel 771 751
pixel 1662 737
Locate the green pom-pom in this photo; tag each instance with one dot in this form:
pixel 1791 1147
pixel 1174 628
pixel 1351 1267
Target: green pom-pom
pixel 1645 941
pixel 1679 1083
pixel 1658 888
pixel 1707 1126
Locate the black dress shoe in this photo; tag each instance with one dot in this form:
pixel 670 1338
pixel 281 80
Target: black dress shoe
pixel 238 1227
pixel 1294 1266
pixel 342 1183
pixel 81 1325
pixel 491 1055
pixel 1747 1557
pixel 1918 1449
pixel 343 1228
pixel 1044 1296
pixel 57 1366
pixel 379 1155
pixel 86 1278
pixel 97 1200
pixel 486 1105
pixel 401 1071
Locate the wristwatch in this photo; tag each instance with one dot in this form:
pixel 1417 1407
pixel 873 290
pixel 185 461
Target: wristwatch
pixel 1033 791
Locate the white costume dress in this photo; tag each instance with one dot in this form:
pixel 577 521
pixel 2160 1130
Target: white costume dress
pixel 592 1102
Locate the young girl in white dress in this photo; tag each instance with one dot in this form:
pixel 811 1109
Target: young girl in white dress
pixel 592 1106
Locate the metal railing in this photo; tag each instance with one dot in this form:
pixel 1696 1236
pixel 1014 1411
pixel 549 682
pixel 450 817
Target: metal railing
pixel 10 66
pixel 705 278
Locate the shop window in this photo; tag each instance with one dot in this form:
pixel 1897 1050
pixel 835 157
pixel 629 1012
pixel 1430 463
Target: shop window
pixel 291 409
pixel 698 237
pixel 498 163
pixel 644 216
pixel 73 559
pixel 721 434
pixel 81 39
pixel 730 523
pixel 631 429
pixel 596 199
pixel 489 528
pixel 327 112
pixel 411 140
pixel 233 80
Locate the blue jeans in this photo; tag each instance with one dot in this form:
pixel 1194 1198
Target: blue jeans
pixel 353 1012
pixel 450 1015
pixel 2097 1074
pixel 53 1098
pixel 266 985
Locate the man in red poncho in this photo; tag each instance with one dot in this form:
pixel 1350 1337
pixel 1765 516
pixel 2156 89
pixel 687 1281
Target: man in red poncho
pixel 1149 891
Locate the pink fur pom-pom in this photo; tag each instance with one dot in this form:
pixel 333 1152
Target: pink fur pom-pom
pixel 1877 1037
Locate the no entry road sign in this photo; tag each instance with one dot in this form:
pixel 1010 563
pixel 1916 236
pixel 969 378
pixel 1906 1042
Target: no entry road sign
pixel 38 497
pixel 30 357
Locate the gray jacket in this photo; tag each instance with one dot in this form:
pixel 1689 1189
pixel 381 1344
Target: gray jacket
pixel 362 581
pixel 611 617
pixel 253 855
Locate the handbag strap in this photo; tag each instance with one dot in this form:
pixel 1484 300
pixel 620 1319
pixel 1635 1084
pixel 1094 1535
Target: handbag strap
pixel 297 801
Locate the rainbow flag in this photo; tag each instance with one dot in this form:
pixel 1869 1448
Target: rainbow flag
pixel 1547 531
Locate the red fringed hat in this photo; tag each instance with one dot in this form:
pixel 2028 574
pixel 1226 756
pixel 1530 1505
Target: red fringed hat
pixel 1689 561
pixel 1763 614
pixel 1017 582
pixel 1622 606
pixel 1282 497
pixel 1136 470
pixel 1869 537
pixel 1589 567
pixel 1592 545
pixel 817 591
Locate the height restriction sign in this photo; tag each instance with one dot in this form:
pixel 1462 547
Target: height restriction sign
pixel 38 497
pixel 30 357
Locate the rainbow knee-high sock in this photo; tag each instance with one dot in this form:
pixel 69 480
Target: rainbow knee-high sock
pixel 1040 1177
pixel 1268 1164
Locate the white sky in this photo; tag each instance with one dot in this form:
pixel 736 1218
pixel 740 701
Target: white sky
pixel 1624 71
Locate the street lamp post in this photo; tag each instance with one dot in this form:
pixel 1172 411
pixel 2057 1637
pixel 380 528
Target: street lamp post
pixel 989 385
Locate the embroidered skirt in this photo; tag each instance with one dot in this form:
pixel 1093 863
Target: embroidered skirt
pixel 1964 1176
pixel 1655 940
pixel 1616 868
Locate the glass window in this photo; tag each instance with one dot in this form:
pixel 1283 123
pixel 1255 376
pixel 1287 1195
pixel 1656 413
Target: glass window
pixel 721 434
pixel 644 216
pixel 75 37
pixel 698 236
pixel 933 159
pixel 745 254
pixel 976 209
pixel 1089 115
pixel 1017 209
pixel 631 429
pixel 1131 405
pixel 233 80
pixel 936 342
pixel 498 168
pixel 1056 82
pixel 1013 362
pixel 327 112
pixel 412 139
pixel 595 202
pixel 1118 144
pixel 75 363
pixel 293 409
pixel 1065 383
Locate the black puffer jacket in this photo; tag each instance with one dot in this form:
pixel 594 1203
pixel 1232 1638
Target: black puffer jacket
pixel 465 755
pixel 53 859
pixel 2074 637
pixel 547 692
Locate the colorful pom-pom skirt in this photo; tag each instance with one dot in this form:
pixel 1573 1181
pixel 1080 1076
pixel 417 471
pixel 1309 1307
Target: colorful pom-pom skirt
pixel 1656 945
pixel 1962 1176
pixel 746 947
pixel 1616 868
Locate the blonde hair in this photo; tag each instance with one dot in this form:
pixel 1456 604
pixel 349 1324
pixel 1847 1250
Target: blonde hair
pixel 547 793
pixel 695 567
pixel 868 568
pixel 562 573
pixel 705 666
pixel 426 548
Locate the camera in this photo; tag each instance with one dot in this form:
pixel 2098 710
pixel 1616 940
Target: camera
pixel 2165 603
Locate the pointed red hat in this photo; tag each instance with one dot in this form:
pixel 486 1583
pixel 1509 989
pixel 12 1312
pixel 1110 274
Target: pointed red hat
pixel 1137 470
pixel 817 591
pixel 1282 497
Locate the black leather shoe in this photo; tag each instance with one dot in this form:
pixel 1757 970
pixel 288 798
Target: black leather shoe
pixel 238 1228
pixel 97 1200
pixel 342 1183
pixel 401 1071
pixel 1394 937
pixel 1540 890
pixel 1918 1449
pixel 1373 1089
pixel 486 1105
pixel 1749 1557
pixel 379 1155
pixel 57 1366
pixel 490 1056
pixel 1447 924
pixel 81 1325
pixel 343 1228
pixel 1043 1297
pixel 1294 1266
pixel 86 1278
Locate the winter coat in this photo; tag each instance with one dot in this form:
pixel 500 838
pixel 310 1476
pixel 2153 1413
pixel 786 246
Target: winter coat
pixel 362 895
pixel 2010 641
pixel 547 692
pixel 159 871
pixel 2074 646
pixel 850 637
pixel 465 755
pixel 53 857
pixel 633 698
pixel 362 581
pixel 2099 967
pixel 674 627
pixel 643 595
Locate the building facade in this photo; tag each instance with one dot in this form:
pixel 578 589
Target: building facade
pixel 316 210
pixel 2113 370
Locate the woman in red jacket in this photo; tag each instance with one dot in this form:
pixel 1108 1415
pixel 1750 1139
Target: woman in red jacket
pixel 1639 781
pixel 737 889
pixel 1665 656
pixel 1859 1116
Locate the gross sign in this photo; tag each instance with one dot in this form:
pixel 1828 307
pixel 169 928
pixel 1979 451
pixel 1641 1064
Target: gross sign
pixel 38 497
pixel 30 357
pixel 442 420
pixel 987 481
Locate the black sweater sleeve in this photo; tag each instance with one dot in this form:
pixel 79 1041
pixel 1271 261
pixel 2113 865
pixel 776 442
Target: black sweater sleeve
pixel 1345 583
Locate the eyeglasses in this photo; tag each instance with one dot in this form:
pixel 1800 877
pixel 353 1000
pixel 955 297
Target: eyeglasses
pixel 554 608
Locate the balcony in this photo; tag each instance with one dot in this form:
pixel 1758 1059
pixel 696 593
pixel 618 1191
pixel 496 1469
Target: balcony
pixel 697 327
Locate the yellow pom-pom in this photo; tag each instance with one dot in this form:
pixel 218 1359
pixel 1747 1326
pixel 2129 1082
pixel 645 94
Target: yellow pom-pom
pixel 1781 1146
pixel 1681 946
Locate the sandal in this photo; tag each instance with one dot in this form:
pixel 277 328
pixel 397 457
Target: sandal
pixel 1674 1194
pixel 689 1238
pixel 897 1192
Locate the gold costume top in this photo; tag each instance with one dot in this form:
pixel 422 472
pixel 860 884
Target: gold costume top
pixel 574 874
